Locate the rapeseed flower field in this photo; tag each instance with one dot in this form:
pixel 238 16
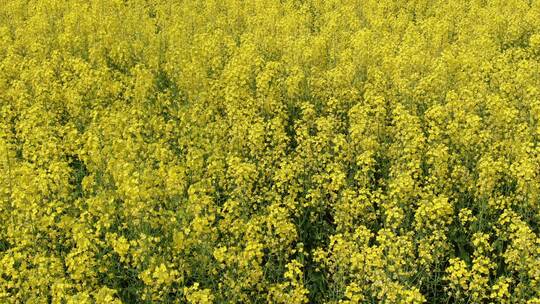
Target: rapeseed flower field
pixel 265 151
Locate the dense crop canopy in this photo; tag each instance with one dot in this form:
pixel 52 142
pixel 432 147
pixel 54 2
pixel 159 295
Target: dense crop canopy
pixel 265 151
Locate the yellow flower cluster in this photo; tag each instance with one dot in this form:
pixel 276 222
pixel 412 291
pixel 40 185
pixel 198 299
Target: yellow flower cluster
pixel 265 151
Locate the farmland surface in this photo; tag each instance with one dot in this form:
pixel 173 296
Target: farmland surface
pixel 265 151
